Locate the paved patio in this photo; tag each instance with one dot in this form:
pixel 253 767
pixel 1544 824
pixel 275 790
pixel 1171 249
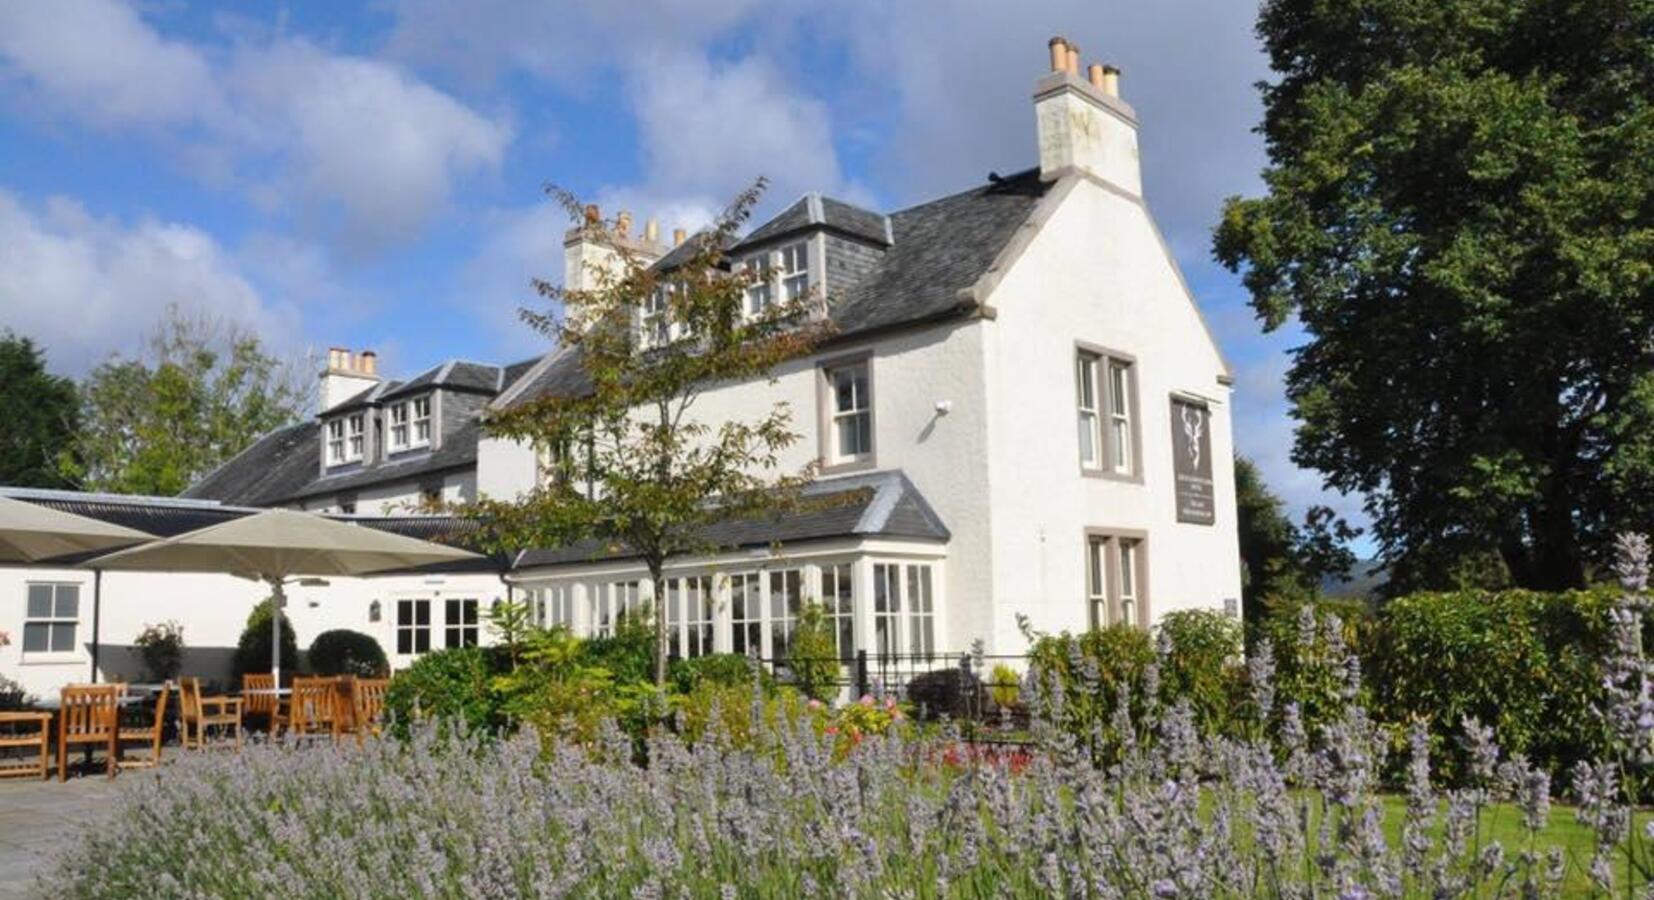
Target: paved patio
pixel 37 816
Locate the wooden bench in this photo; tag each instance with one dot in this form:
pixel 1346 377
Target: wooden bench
pixel 14 732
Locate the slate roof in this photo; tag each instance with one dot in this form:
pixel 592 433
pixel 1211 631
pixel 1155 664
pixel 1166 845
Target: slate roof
pixel 171 516
pixel 874 504
pixel 812 210
pixel 940 248
pixel 285 465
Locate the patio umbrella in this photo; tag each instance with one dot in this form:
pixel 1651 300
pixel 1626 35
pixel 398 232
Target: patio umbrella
pixel 277 545
pixel 30 532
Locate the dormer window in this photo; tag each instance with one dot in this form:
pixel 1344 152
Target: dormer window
pixel 398 413
pixel 759 293
pixel 795 271
pixel 346 438
pixel 410 424
pixel 335 442
pixel 421 421
pixel 655 325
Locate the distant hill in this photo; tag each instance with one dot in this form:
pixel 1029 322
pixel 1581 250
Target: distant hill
pixel 1366 577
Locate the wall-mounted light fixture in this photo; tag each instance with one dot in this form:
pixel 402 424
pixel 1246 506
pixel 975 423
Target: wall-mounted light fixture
pixel 375 611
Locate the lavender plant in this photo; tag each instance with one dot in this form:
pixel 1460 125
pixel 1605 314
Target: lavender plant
pixel 766 805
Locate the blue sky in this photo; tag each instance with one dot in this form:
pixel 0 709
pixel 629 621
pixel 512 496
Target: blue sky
pixel 370 175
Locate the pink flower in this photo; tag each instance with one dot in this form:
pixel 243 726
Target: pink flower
pixel 814 703
pixel 867 700
pixel 832 729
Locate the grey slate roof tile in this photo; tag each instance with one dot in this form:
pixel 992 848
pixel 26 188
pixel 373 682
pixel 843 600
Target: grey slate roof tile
pixel 875 504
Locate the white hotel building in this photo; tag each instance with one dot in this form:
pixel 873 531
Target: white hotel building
pixel 1021 412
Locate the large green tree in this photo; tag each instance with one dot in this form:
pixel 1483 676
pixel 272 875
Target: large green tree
pixel 634 466
pixel 201 392
pixel 1460 214
pixel 41 412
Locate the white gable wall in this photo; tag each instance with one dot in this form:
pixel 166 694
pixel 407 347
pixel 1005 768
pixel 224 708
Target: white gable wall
pixel 1096 272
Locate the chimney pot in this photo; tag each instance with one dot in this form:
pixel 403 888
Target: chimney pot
pixel 623 224
pixel 347 361
pixel 593 214
pixel 1094 74
pixel 1111 81
pixel 651 231
pixel 677 236
pixel 370 362
pixel 1059 53
pixel 1073 66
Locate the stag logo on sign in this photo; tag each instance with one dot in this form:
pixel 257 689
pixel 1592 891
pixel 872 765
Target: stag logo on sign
pixel 1192 461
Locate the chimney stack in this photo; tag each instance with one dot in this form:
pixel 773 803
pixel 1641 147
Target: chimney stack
pixel 347 374
pixel 651 231
pixel 678 235
pixel 591 249
pixel 1083 124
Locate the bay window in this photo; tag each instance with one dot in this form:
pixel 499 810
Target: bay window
pixel 786 601
pixel 838 602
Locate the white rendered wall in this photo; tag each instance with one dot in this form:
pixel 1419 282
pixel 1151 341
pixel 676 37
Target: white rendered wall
pixel 1097 273
pixel 213 610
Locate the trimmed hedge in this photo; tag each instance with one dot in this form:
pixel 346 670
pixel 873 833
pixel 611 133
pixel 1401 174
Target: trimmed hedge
pixel 1528 664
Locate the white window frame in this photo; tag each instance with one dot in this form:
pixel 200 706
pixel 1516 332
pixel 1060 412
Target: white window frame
pixel 836 418
pixel 655 318
pixel 400 430
pixel 746 613
pixel 54 619
pixel 356 437
pixel 691 616
pixel 335 442
pixel 1105 387
pixel 419 414
pixel 886 604
pixel 409 624
pixel 1090 418
pixel 1115 576
pixel 838 601
pixel 920 584
pixel 793 271
pixel 467 628
pixel 783 609
pixel 760 293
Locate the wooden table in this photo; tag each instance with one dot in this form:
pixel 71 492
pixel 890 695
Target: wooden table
pixel 9 737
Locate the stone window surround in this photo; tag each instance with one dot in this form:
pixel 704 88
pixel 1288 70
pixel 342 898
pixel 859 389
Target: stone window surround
pixel 1104 398
pixel 1111 573
pixel 825 443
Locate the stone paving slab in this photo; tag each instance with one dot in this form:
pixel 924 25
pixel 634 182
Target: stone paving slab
pixel 36 817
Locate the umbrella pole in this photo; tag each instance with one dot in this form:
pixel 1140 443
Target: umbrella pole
pixel 97 618
pixel 278 599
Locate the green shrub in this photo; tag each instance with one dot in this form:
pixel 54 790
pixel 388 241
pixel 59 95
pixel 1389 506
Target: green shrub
pixel 345 652
pixel 1093 671
pixel 1310 656
pixel 1004 685
pixel 814 662
pixel 1203 649
pixel 1522 662
pixel 455 685
pixel 162 649
pixel 723 669
pixel 628 655
pixel 252 652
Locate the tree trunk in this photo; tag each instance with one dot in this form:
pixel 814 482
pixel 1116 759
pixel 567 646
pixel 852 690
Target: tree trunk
pixel 656 567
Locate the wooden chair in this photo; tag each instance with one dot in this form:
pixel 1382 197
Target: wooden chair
pixel 150 735
pixel 202 713
pixel 27 729
pixel 312 710
pixel 88 716
pixel 262 704
pixel 367 702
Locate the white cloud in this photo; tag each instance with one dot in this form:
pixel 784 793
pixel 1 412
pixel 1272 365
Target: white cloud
pixel 99 58
pixel 359 147
pixel 81 285
pixel 364 136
